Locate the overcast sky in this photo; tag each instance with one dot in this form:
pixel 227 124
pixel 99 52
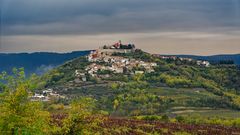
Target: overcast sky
pixel 202 27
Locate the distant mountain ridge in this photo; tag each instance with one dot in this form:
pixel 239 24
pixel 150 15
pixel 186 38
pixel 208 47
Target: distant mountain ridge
pixel 38 62
pixel 215 58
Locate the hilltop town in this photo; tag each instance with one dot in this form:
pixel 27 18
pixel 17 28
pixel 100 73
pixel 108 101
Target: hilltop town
pixel 108 62
pixel 104 62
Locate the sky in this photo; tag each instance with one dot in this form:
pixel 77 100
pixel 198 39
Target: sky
pixel 200 27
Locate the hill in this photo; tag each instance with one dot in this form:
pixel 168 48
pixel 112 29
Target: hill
pixel 38 63
pixel 118 91
pixel 138 83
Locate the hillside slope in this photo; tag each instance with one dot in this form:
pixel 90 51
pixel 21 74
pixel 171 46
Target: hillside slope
pixel 172 86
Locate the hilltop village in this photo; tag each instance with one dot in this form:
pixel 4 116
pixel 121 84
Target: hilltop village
pixel 117 64
pixel 104 63
pixel 108 62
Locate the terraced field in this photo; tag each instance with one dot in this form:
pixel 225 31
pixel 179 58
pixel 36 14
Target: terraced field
pixel 205 112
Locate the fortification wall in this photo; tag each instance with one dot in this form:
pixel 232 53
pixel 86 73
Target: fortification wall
pixel 116 50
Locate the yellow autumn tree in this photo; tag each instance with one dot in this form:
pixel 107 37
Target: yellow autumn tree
pixel 18 115
pixel 82 118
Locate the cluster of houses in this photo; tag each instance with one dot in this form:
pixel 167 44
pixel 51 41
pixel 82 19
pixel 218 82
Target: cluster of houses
pixel 198 62
pixel 80 77
pixel 117 64
pixel 166 57
pixel 203 63
pixel 46 95
pixel 103 61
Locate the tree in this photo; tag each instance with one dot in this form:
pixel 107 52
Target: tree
pixel 137 77
pixel 17 113
pixel 115 104
pixel 165 118
pixel 180 119
pixel 114 86
pixel 82 119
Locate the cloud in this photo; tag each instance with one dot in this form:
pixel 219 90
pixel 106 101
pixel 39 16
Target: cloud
pixel 106 16
pixel 200 43
pixel 185 26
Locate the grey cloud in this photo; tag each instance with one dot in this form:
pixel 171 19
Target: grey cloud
pixel 85 17
pixel 200 43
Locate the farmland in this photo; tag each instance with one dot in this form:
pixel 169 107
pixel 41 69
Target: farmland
pixel 122 126
pixel 129 126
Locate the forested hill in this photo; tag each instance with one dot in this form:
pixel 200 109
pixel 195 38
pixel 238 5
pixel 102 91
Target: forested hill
pixel 216 58
pixel 162 88
pixel 38 62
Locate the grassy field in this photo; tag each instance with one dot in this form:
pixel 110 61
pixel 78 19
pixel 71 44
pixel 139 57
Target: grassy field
pixel 205 112
pixel 178 92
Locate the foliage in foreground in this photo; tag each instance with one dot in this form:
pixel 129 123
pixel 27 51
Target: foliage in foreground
pixel 20 115
pixel 17 113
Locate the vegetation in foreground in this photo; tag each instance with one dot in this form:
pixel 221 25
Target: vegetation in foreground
pixel 19 115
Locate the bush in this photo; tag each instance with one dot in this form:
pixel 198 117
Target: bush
pixel 180 119
pixel 151 118
pixel 165 118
